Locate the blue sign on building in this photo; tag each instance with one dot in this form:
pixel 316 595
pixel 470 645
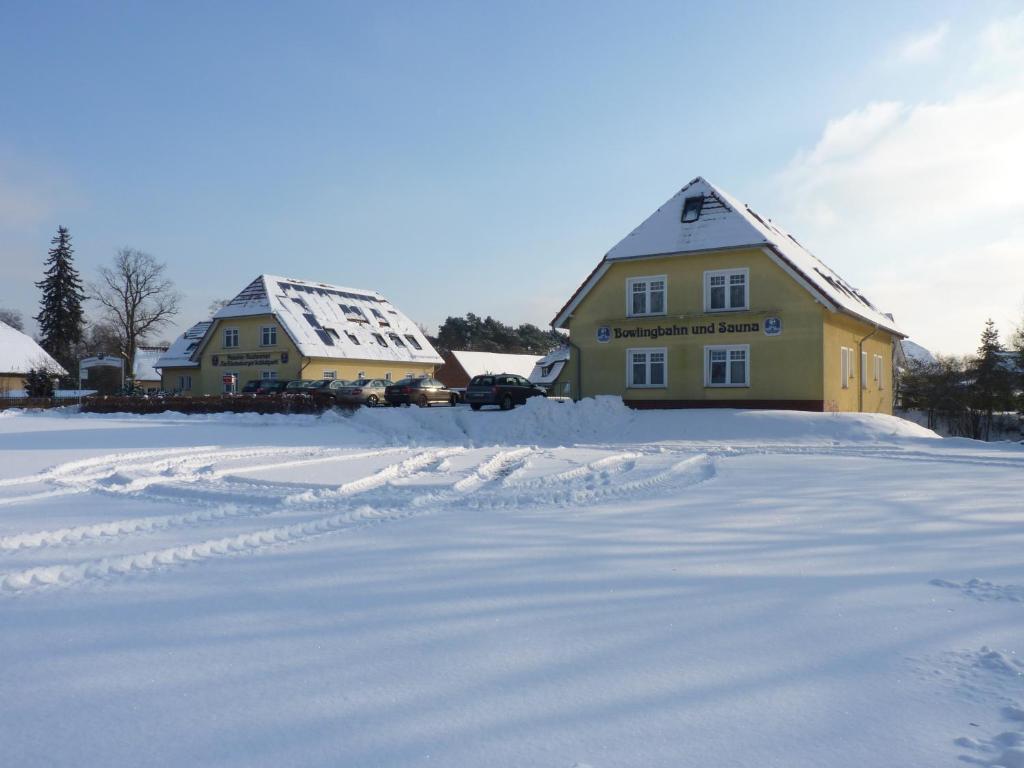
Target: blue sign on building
pixel 772 326
pixel 604 334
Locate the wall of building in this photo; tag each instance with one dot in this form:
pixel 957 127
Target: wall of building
pixel 785 369
pixel 11 381
pixel 845 331
pixel 350 370
pixel 249 360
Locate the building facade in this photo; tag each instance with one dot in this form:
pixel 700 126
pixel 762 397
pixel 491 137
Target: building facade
pixel 282 328
pixel 706 304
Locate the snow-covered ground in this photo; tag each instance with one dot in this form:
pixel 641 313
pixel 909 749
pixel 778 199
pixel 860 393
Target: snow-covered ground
pixel 562 585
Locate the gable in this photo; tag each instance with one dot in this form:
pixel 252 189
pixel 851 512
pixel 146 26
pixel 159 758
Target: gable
pixel 722 224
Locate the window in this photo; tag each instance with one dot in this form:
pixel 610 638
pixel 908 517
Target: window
pixel 380 339
pixel 566 388
pixel 845 366
pixel 301 303
pixel 726 290
pixel 311 319
pixel 268 375
pixel 381 320
pixel 397 339
pixel 230 384
pixel 863 370
pixel 230 337
pixel 387 376
pixel 691 208
pixel 334 333
pixel 268 335
pixel 184 383
pixel 325 337
pixel 645 296
pixel 878 371
pixel 545 370
pixel 727 366
pixel 646 367
pixel 412 341
pixel 330 374
pixel 352 337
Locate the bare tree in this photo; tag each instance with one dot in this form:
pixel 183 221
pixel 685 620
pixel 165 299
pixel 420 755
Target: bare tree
pixel 13 318
pixel 217 305
pixel 137 298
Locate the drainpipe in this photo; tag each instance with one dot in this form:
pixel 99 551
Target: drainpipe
pixel 862 379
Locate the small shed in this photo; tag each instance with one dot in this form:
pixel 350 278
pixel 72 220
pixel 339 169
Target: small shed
pixel 18 355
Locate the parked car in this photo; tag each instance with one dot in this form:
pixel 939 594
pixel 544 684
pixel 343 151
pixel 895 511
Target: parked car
pixel 506 390
pixel 251 387
pixel 422 392
pixel 297 385
pixel 361 392
pixel 271 386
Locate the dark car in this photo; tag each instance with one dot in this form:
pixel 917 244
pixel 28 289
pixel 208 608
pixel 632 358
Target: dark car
pixel 422 392
pixel 270 386
pixel 505 390
pixel 251 387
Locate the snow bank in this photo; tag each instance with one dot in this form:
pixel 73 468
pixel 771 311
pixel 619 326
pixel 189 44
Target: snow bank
pixel 548 422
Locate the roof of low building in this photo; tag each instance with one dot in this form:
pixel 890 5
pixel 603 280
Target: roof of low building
pixel 724 223
pixel 331 321
pixel 180 353
pixel 20 353
pixel 145 362
pixel 479 363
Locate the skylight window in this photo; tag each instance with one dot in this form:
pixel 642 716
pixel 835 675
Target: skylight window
pixel 333 332
pixel 397 339
pixel 325 337
pixel 301 303
pixel 311 319
pixel 380 317
pixel 691 208
pixel 380 339
pixel 412 340
pixel 352 337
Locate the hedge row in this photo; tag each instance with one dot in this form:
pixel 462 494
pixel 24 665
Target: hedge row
pixel 212 404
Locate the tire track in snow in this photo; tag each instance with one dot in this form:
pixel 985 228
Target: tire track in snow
pixel 606 465
pixel 70 574
pixel 118 528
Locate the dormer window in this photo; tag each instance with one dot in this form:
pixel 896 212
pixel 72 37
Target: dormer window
pixel 691 208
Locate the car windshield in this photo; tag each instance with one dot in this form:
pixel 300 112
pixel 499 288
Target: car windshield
pixel 482 381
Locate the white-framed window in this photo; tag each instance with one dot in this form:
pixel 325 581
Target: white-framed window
pixel 727 365
pixel 330 374
pixel 230 337
pixel 726 290
pixel 863 370
pixel 878 371
pixel 268 336
pixel 232 387
pixel 184 383
pixel 387 376
pixel 845 366
pixel 647 368
pixel 268 375
pixel 646 295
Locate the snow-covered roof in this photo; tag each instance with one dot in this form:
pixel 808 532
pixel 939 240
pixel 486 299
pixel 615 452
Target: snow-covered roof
pixel 478 363
pixel 19 353
pixel 553 362
pixel 144 363
pixel 722 223
pixel 332 321
pixel 180 353
pixel 914 351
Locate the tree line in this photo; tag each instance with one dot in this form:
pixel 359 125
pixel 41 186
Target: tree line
pixel 134 300
pixel 478 334
pixel 977 396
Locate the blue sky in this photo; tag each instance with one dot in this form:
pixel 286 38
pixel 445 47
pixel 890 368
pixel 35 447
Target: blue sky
pixel 473 157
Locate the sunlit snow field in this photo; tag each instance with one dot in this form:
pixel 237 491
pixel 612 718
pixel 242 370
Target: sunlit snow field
pixel 561 585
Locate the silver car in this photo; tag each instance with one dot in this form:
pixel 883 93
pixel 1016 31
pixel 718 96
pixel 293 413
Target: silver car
pixel 362 392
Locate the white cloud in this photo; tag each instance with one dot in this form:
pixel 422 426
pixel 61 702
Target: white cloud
pixel 924 46
pixel 922 204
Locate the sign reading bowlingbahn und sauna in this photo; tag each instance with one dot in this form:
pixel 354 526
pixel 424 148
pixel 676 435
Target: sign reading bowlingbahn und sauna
pixel 772 326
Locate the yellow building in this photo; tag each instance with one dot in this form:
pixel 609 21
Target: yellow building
pixel 707 304
pixel 281 328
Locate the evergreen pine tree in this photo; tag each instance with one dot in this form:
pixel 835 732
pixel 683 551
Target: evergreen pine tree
pixel 60 317
pixel 992 387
